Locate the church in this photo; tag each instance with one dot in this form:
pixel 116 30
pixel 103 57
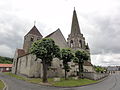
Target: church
pixel 25 63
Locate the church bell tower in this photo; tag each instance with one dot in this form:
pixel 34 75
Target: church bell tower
pixel 75 39
pixel 32 36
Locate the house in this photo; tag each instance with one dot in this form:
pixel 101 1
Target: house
pixel 5 67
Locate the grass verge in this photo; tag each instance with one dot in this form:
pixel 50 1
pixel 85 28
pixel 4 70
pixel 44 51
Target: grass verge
pixel 71 82
pixel 63 83
pixel 1 85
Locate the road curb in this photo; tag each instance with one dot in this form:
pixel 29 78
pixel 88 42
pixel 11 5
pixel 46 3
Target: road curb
pixel 5 88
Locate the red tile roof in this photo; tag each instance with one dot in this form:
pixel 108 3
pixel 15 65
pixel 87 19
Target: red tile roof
pixel 6 65
pixel 21 52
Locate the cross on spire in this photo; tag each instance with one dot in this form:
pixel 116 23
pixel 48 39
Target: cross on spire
pixel 74 8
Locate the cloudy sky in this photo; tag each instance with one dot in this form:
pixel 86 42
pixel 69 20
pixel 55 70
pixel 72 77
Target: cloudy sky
pixel 99 22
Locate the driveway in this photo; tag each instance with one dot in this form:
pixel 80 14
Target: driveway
pixel 111 83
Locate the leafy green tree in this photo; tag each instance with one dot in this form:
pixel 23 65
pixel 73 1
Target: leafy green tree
pixel 66 56
pixel 80 57
pixel 46 50
pixel 6 60
pixel 99 69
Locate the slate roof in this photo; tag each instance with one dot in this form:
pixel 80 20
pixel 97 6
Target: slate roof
pixel 34 31
pixel 75 29
pixel 51 33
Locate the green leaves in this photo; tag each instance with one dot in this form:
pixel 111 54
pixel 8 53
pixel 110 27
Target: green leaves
pixel 66 55
pixel 81 56
pixel 99 69
pixel 6 60
pixel 45 49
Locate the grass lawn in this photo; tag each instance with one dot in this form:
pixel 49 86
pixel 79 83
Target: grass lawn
pixel 62 82
pixel 72 82
pixel 1 85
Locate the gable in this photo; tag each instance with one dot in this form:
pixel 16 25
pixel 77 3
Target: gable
pixel 59 39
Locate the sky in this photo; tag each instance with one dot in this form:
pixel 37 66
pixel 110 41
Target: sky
pixel 99 22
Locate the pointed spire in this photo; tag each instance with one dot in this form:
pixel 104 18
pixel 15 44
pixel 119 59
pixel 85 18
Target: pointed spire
pixel 75 29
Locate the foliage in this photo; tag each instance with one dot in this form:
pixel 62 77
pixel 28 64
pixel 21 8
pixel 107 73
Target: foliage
pixel 6 60
pixel 66 56
pixel 45 50
pixel 99 69
pixel 80 57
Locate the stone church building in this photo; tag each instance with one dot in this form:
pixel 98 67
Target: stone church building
pixel 26 64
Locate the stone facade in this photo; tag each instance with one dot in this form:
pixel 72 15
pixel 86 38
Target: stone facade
pixel 30 37
pixel 59 39
pixel 75 39
pixel 95 76
pixel 26 64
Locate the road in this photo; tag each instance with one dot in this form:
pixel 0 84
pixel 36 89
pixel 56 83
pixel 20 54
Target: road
pixel 111 83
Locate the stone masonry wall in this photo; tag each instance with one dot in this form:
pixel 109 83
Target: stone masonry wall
pixel 95 76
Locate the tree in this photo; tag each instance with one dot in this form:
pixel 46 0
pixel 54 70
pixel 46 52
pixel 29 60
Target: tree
pixel 99 69
pixel 80 57
pixel 66 56
pixel 45 50
pixel 6 60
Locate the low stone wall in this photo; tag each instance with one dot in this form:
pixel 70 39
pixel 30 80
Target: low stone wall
pixel 94 76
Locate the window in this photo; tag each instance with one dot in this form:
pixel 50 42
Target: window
pixel 32 39
pixel 80 43
pixel 7 69
pixel 61 65
pixel 71 43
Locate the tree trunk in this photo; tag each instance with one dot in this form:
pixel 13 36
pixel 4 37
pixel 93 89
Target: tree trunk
pixel 79 69
pixel 44 72
pixel 65 74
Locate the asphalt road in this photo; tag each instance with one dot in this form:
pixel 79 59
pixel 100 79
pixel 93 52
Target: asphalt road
pixel 111 83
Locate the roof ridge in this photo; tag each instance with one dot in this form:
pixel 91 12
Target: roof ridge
pixel 51 33
pixel 34 31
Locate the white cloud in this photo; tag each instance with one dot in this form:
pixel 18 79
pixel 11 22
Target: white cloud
pixel 108 59
pixel 6 51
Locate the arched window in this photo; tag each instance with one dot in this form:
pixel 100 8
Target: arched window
pixel 71 43
pixel 32 39
pixel 80 43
